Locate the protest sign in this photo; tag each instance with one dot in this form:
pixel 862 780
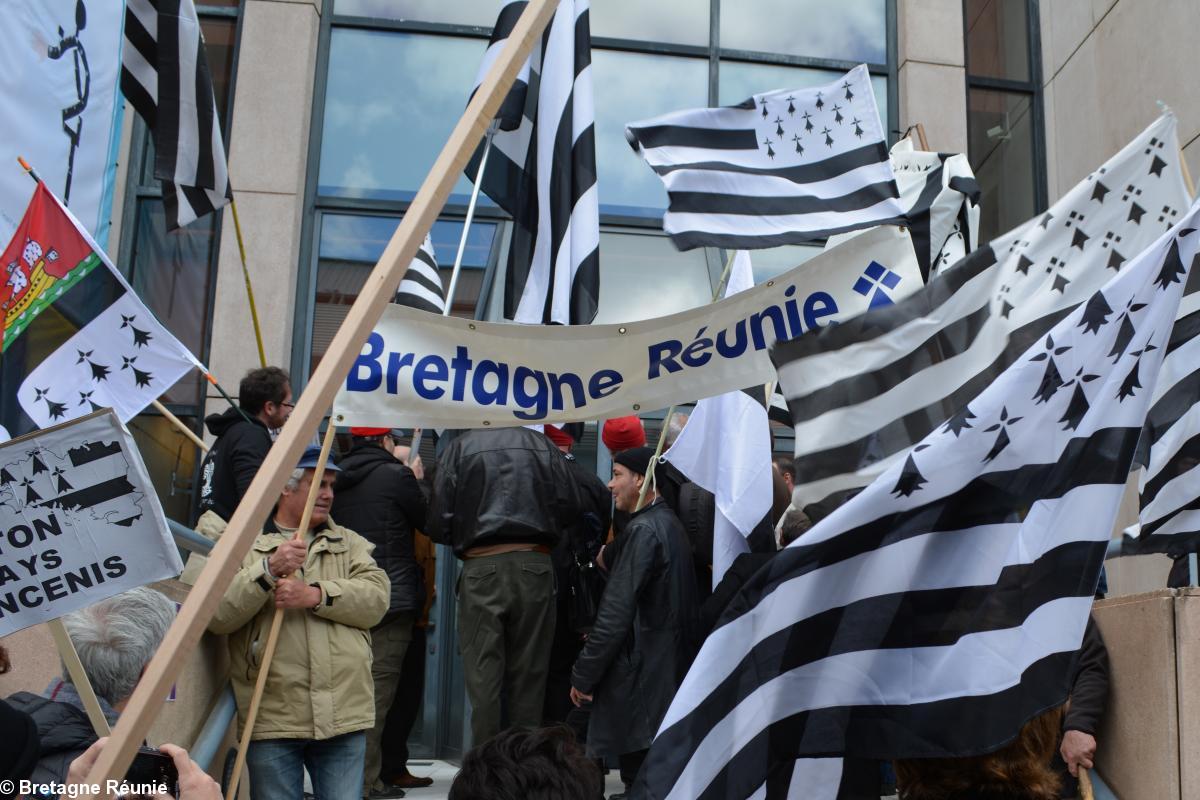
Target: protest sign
pixel 79 521
pixel 419 369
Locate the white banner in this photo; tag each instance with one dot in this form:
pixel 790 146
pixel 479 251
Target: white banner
pixel 422 370
pixel 59 69
pixel 79 521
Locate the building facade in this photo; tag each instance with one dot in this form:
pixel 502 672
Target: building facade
pixel 334 111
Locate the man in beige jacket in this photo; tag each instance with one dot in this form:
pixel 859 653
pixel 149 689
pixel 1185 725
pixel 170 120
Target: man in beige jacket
pixel 318 701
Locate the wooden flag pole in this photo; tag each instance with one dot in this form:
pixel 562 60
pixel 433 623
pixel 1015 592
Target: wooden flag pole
pixel 247 519
pixel 921 136
pixel 1187 176
pixel 1085 785
pixel 277 621
pixel 79 678
pixel 662 435
pixel 237 229
pixel 178 423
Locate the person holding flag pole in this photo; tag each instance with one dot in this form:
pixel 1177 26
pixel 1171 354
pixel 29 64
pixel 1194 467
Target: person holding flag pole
pixel 320 701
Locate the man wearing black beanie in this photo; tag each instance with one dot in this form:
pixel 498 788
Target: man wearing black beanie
pixel 645 632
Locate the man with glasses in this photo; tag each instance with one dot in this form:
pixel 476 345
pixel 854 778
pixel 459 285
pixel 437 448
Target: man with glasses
pixel 243 439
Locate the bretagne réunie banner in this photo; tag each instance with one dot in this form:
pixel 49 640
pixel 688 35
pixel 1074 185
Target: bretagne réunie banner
pixel 421 369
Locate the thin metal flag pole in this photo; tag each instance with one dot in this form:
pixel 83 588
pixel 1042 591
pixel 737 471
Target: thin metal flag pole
pixel 462 241
pixel 662 435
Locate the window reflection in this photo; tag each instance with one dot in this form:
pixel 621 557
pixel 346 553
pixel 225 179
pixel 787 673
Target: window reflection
pixel 997 39
pixel 1000 135
pixel 741 79
pixel 391 102
pixel 674 21
pixel 631 87
pixel 349 247
pixel 642 276
pixel 851 30
pixel 460 12
pixel 775 261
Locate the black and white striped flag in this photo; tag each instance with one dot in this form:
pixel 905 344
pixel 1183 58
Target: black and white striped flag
pixel 542 171
pixel 421 287
pixel 926 618
pixel 165 77
pixel 779 168
pixel 1169 484
pixel 870 395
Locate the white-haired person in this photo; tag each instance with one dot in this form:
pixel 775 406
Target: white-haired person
pixel 115 639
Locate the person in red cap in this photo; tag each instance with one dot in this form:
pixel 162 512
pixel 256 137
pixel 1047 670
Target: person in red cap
pixel 623 433
pixel 377 497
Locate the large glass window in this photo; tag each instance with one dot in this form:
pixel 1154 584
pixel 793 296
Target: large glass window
pixel 1004 112
pixel 848 30
pixel 388 110
pixel 398 76
pixel 629 87
pixel 350 246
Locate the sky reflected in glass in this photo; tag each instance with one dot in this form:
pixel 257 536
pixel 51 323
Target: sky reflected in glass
pixel 458 12
pixel 388 113
pixel 631 87
pixel 674 21
pixel 852 30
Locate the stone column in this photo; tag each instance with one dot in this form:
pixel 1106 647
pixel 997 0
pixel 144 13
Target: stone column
pixel 932 74
pixel 268 153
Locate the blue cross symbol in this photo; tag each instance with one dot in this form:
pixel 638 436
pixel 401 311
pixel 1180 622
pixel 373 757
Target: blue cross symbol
pixel 874 283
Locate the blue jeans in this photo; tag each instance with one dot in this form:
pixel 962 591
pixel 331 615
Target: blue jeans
pixel 335 766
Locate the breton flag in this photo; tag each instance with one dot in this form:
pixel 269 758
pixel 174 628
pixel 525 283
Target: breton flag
pixel 725 448
pixel 867 393
pixel 779 168
pixel 165 77
pixel 76 337
pixel 421 287
pixel 1169 486
pixel 542 171
pixel 925 618
pixel 940 197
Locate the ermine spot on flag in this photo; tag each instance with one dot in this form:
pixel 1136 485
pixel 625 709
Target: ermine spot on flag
pixel 76 337
pixel 779 168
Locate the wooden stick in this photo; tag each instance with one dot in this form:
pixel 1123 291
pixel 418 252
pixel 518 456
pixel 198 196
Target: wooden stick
pixel 247 520
pixel 178 423
pixel 83 685
pixel 1187 176
pixel 237 229
pixel 921 136
pixel 1085 785
pixel 277 621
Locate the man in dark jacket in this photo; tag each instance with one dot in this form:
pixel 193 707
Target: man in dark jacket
pixel 378 498
pixel 572 558
pixel 243 439
pixel 643 640
pixel 501 499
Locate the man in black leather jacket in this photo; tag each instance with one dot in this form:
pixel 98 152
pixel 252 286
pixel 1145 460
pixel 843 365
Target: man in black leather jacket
pixel 501 499
pixel 378 498
pixel 645 632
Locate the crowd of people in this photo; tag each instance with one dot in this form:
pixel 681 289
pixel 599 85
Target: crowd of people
pixel 580 607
